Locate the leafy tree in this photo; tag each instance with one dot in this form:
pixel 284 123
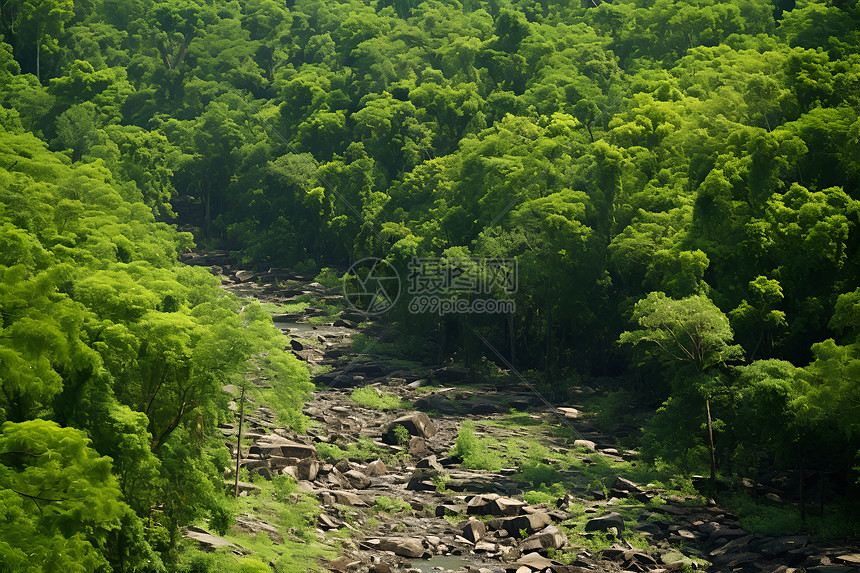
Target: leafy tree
pixel 60 501
pixel 36 23
pixel 693 337
pixel 758 321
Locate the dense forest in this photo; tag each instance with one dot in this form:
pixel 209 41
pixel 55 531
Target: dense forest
pixel 678 180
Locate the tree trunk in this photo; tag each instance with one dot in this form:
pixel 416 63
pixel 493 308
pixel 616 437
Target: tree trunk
pixel 38 54
pixel 208 216
pixel 802 491
pixel 239 441
pixel 711 447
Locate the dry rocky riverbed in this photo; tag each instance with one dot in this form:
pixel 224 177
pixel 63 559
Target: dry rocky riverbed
pixel 455 519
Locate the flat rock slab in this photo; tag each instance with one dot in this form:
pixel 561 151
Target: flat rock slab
pixel 403 546
pixel 529 523
pixel 274 445
pixel 474 530
pixel 416 423
pixel 849 559
pixel 494 504
pixel 208 541
pixel 550 538
pixel 250 524
pixel 535 561
pixel 604 522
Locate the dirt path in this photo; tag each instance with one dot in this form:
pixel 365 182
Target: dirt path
pixel 407 505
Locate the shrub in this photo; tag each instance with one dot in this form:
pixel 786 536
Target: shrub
pixel 474 451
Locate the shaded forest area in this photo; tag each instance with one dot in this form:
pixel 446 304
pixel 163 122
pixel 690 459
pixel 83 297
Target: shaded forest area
pixel 678 181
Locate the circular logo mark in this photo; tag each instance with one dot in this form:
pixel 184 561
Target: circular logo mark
pixel 371 286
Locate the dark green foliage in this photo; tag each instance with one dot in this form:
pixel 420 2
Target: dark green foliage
pixel 618 150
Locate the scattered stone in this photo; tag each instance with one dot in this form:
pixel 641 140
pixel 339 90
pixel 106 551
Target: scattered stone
pixel 429 462
pixel 376 468
pixel 494 504
pixel 249 524
pixel 625 485
pixel 732 560
pixel 550 538
pixel 207 541
pixel 274 445
pixel 569 413
pixel 404 546
pixel 529 523
pixel 648 529
pixel 536 561
pixel 782 545
pixel 343 465
pixel 450 509
pixel 849 559
pixel 340 565
pixel 603 523
pixel 422 480
pixel 451 375
pixel 357 479
pixel 437 403
pixel 333 496
pixel 343 323
pixel 416 423
pixel 307 469
pixel 587 444
pixel 245 276
pixel 732 546
pixel 473 530
pixel 418 447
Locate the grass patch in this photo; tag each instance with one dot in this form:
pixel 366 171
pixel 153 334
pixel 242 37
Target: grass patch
pixel 475 451
pixel 517 420
pixel 363 450
pixel 386 504
pixel 277 308
pixel 538 474
pixel 545 493
pixel 294 515
pixel 427 389
pixel 373 398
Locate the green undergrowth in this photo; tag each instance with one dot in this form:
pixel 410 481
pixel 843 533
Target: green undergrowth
pixel 280 308
pixel 475 450
pixel 427 389
pixel 366 344
pixel 373 398
pixel 835 524
pixel 385 504
pixel 363 450
pixel 330 278
pixel 330 313
pixel 293 514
